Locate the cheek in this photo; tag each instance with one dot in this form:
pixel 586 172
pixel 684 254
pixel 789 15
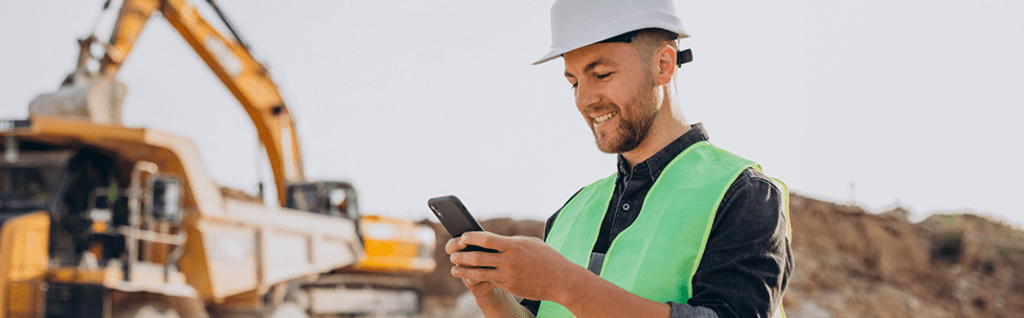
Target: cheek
pixel 625 95
pixel 584 115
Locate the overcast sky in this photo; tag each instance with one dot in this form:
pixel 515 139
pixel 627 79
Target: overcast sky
pixel 915 103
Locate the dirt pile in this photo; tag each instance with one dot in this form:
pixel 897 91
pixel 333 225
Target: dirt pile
pixel 850 263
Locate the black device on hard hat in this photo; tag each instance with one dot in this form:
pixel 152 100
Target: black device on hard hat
pixel 684 56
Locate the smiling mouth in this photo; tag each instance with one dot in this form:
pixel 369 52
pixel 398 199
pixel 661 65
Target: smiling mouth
pixel 602 119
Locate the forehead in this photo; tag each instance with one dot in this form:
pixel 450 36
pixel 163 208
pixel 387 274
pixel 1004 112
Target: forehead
pixel 599 54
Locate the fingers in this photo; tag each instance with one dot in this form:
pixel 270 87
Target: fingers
pixel 476 259
pixel 453 245
pixel 474 274
pixel 487 240
pixel 481 239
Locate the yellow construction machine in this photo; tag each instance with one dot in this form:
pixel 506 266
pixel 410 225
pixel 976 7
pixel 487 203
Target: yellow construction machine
pixel 101 220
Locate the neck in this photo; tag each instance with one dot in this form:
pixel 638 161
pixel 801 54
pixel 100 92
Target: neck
pixel 668 126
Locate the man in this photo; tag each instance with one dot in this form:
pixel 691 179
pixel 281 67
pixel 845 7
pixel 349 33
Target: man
pixel 684 229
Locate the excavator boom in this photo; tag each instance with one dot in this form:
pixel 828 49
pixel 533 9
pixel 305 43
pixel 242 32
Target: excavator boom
pixel 230 60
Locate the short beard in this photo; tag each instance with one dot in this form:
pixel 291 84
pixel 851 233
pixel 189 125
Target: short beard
pixel 634 129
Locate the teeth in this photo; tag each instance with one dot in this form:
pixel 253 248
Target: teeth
pixel 605 117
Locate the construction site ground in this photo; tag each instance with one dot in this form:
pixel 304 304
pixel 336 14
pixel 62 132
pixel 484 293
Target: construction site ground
pixel 850 263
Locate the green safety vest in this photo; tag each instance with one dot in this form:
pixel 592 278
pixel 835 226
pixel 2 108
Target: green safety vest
pixel 656 256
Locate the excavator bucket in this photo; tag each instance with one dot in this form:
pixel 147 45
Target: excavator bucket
pixel 85 94
pixel 88 97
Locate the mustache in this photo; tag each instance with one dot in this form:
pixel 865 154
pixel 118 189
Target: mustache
pixel 599 107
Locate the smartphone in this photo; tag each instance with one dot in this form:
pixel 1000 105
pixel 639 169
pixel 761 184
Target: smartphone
pixel 456 219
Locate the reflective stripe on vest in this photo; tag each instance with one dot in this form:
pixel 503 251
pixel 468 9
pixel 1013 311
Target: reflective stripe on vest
pixel 656 256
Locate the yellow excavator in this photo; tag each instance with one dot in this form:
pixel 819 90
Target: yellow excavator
pixel 107 221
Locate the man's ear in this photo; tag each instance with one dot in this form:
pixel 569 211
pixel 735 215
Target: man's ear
pixel 665 64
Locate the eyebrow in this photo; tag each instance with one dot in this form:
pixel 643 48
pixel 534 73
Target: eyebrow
pixel 591 66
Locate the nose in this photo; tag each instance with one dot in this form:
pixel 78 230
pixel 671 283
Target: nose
pixel 585 95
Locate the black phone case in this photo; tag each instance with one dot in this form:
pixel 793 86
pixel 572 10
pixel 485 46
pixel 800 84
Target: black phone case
pixel 456 219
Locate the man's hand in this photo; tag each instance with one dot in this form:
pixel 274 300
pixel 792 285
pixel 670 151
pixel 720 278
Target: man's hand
pixel 523 266
pixel 527 267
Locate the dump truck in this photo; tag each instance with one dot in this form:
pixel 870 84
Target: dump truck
pixel 102 220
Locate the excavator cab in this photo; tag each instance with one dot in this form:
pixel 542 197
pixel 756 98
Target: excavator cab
pixel 391 244
pixel 332 198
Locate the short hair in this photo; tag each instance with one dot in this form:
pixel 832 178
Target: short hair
pixel 649 40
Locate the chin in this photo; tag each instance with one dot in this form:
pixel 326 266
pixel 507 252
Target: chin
pixel 605 145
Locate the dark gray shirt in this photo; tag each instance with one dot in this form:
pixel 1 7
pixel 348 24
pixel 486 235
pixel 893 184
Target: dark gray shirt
pixel 747 261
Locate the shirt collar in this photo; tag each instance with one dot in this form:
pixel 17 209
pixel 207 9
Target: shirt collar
pixel 653 166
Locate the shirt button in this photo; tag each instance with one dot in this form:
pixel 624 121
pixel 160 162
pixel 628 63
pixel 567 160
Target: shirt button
pixel 625 206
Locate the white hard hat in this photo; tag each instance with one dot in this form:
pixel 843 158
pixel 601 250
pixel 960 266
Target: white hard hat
pixel 578 23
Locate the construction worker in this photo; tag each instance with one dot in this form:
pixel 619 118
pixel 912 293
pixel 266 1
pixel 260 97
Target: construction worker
pixel 682 229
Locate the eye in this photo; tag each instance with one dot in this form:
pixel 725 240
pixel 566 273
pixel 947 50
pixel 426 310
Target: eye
pixel 605 75
pixel 574 85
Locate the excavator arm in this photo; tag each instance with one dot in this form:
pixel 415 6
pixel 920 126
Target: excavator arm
pixel 231 61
